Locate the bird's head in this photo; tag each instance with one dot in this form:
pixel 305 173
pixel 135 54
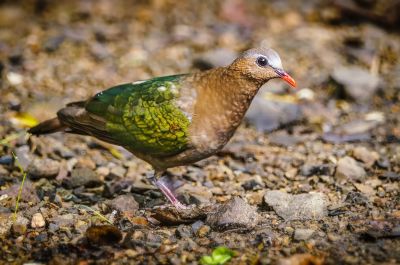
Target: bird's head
pixel 261 65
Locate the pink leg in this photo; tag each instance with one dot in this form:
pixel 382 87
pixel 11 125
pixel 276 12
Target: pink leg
pixel 167 192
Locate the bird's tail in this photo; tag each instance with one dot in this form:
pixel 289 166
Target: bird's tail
pixel 46 127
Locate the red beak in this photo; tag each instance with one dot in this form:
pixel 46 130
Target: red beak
pixel 282 74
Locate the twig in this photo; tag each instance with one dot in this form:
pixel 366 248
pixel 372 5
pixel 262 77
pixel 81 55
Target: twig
pixel 95 212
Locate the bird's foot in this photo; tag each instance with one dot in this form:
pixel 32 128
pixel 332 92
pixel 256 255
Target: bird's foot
pixel 168 194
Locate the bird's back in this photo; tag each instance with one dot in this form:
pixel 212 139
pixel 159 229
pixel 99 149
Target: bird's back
pixel 144 116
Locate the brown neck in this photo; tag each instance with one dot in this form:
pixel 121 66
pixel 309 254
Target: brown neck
pixel 223 97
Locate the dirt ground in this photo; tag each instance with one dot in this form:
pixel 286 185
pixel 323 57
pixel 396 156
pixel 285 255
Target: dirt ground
pixel 310 177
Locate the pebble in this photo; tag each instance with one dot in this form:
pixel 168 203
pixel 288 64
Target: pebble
pixel 37 221
pixel 84 177
pixel 118 172
pixel 19 227
pixel 306 206
pixel 6 160
pixel 103 171
pixel 358 83
pixel 126 204
pixel 14 78
pixel 43 168
pixel 65 220
pixel 203 231
pixel 53 43
pixel 303 234
pixel 235 213
pixel 183 231
pixel 349 169
pixel 195 194
pixel 28 192
pixel 322 169
pixel 24 156
pixel 253 184
pixel 365 155
pixel 390 175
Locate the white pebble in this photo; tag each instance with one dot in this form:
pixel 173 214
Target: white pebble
pixel 14 78
pixel 37 221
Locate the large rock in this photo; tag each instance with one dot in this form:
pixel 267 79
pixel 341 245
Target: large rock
pixel 235 213
pixel 306 206
pixel 267 115
pixel 349 169
pixel 358 82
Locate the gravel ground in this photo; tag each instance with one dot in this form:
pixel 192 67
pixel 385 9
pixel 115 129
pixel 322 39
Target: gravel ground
pixel 311 177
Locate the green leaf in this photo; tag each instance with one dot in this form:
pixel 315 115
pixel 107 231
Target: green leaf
pixel 219 256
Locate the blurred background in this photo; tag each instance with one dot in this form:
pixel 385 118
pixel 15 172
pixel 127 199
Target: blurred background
pixel 343 117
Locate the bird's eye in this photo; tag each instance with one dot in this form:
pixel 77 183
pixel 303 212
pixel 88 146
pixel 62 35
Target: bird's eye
pixel 262 61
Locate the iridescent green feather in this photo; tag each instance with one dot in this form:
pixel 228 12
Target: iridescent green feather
pixel 143 116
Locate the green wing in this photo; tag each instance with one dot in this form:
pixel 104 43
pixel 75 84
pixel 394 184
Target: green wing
pixel 143 116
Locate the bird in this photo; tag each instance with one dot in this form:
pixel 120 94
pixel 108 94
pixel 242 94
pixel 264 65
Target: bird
pixel 174 120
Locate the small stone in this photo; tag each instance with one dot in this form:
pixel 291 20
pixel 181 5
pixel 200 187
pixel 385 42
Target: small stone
pixel 126 204
pixel 289 230
pixel 390 176
pixel 14 78
pixel 24 156
pixel 365 188
pixel 306 206
pixel 103 171
pixel 383 162
pixel 203 231
pixel 283 138
pixel 348 169
pixel 235 213
pixel 356 198
pixel 28 192
pixel 53 43
pixel 303 234
pixel 323 169
pixel 19 227
pixel 191 194
pixel 301 259
pixel 53 227
pixel 118 172
pixel 65 220
pixel 37 221
pixel 253 184
pixel 84 177
pixel 43 168
pixel 99 51
pixel 183 231
pixel 5 223
pixel 6 160
pixel 196 226
pixel 333 237
pixel 367 156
